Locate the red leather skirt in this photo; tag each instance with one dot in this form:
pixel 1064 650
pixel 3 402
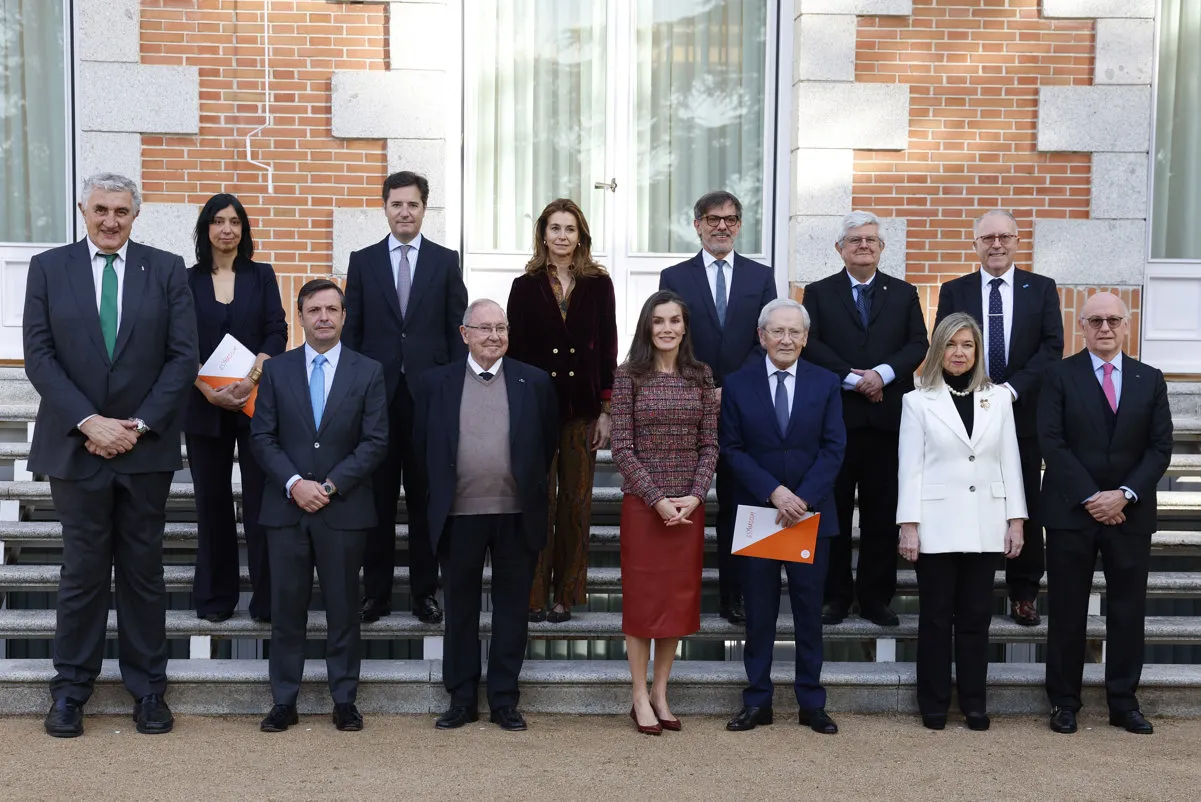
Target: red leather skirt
pixel 660 572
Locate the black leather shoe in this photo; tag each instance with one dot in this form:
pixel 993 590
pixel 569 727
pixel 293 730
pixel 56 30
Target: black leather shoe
pixel 979 722
pixel 216 618
pixel 748 718
pixel 427 610
pixel 934 721
pixel 537 616
pixel 347 717
pixel 65 719
pixel 1024 613
pixel 818 720
pixel 152 715
pixel 508 718
pixel 880 615
pixel 733 611
pixel 456 717
pixel 1132 721
pixel 1063 720
pixel 833 614
pixel 279 719
pixel 373 610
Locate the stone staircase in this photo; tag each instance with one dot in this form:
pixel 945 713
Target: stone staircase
pixel 862 672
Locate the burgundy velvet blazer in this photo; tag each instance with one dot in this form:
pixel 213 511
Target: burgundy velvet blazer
pixel 579 352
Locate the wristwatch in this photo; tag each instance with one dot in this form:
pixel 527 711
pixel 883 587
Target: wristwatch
pixel 328 487
pixel 141 427
pixel 1129 494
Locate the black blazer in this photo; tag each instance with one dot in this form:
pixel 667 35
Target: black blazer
pixel 153 365
pixel 727 349
pixel 895 336
pixel 1081 457
pixel 352 440
pixel 533 437
pixel 1035 341
pixel 256 319
pixel 429 335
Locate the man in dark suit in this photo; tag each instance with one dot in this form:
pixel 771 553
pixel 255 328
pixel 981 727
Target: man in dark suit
pixel 110 346
pixel 1106 433
pixel 1018 312
pixel 725 292
pixel 487 429
pixel 867 328
pixel 781 430
pixel 320 428
pixel 405 299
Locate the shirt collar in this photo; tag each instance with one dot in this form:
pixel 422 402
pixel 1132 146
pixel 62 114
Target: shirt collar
pixel 93 250
pixel 1006 277
pixel 477 370
pixel 331 355
pixel 709 258
pixel 857 283
pixel 1098 361
pixel 771 368
pixel 414 245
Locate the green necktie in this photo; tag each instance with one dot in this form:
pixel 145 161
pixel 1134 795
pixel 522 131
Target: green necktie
pixel 108 303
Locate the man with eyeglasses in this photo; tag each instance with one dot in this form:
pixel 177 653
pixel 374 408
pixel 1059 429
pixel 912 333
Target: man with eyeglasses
pixel 1019 314
pixel 1106 432
pixel 867 328
pixel 725 292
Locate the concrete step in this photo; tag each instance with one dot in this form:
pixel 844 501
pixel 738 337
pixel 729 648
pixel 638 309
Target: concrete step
pixel 240 687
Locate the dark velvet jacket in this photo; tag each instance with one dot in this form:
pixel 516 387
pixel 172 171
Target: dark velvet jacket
pixel 579 352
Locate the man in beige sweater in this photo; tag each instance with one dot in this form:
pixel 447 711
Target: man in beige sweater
pixel 487 430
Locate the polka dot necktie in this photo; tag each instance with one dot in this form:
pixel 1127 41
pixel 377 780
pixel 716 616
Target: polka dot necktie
pixel 996 333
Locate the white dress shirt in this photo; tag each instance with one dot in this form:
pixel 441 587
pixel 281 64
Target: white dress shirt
pixel 98 274
pixel 1006 290
pixel 789 382
pixel 475 368
pixel 711 273
pixel 887 374
pixel 329 369
pixel 394 254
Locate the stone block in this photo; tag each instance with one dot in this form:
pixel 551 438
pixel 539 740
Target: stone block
pixel 822 181
pixel 1094 118
pixel 424 156
pixel 100 151
pixel 1125 51
pixel 1119 186
pixel 1091 252
pixel 138 98
pixel 866 8
pixel 398 104
pixel 420 36
pixel 168 226
pixel 880 118
pixel 107 30
pixel 1121 9
pixel 824 47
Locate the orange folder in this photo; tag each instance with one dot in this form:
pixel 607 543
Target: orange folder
pixel 756 534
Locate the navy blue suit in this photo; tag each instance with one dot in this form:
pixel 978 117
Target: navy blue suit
pixel 725 349
pixel 805 459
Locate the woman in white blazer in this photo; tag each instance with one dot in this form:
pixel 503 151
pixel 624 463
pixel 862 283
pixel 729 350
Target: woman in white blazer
pixel 960 507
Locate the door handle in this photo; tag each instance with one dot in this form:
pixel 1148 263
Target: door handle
pixel 610 185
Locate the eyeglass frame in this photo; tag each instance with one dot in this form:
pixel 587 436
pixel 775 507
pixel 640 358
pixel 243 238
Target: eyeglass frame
pixel 731 220
pixel 1106 320
pixel 501 330
pixel 990 239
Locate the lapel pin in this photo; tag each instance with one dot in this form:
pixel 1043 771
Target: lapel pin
pixel 984 403
pixel 521 381
pixel 1024 286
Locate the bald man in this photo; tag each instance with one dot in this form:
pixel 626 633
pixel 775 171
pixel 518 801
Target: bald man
pixel 1106 435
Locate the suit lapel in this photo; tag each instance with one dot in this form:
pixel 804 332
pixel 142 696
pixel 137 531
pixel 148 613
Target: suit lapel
pixel 1133 388
pixel 244 280
pixel 1089 389
pixel 974 305
pixel 343 378
pixel 983 415
pixel 381 268
pixel 847 296
pixel 515 388
pixel 423 273
pixel 943 408
pixel 83 285
pixel 700 278
pixel 298 380
pixel 764 391
pixel 136 277
pixel 879 296
pixel 800 388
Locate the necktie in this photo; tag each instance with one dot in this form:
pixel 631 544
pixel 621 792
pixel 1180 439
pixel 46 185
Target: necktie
pixel 1111 393
pixel 485 375
pixel 720 264
pixel 781 401
pixel 317 388
pixel 108 303
pixel 996 333
pixel 404 280
pixel 863 302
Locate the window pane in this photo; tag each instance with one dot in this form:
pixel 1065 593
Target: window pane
pixel 33 130
pixel 698 117
pixel 1176 205
pixel 536 115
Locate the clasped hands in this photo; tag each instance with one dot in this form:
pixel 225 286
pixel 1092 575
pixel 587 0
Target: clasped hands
pixel 870 384
pixel 675 511
pixel 1107 507
pixel 310 496
pixel 108 437
pixel 230 396
pixel 790 507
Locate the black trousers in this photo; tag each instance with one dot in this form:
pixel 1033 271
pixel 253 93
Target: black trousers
pixel 729 566
pixel 461 553
pixel 955 594
pixel 870 464
pixel 215 588
pixel 336 554
pixel 1024 572
pixel 379 559
pixel 1071 558
pixel 112 522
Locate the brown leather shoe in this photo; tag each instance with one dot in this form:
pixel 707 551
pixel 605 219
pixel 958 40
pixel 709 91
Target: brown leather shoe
pixel 1024 613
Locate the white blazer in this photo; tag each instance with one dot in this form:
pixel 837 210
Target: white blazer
pixel 960 491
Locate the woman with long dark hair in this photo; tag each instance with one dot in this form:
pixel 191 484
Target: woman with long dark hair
pixel 237 296
pixel 563 319
pixel 665 446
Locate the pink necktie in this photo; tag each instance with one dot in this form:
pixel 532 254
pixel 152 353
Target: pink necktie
pixel 1107 386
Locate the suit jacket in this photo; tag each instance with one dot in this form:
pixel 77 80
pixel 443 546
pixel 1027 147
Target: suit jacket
pixel 256 319
pixel 1081 457
pixel 723 349
pixel 153 365
pixel 1035 341
pixel 533 437
pixel 429 334
pixel 960 490
pixel 805 459
pixel 895 336
pixel 579 352
pixel 351 441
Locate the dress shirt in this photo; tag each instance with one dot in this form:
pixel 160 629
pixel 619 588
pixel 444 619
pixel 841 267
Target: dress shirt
pixel 1006 290
pixel 475 368
pixel 887 374
pixel 331 365
pixel 1116 378
pixel 711 273
pixel 98 279
pixel 789 382
pixel 394 254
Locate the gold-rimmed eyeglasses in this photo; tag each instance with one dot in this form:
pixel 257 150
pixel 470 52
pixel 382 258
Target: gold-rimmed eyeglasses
pixel 501 330
pixel 1004 239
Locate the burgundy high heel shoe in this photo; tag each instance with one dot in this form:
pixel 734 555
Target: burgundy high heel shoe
pixel 669 724
pixel 654 729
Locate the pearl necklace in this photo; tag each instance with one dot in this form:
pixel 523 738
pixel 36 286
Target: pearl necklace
pixel 959 393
